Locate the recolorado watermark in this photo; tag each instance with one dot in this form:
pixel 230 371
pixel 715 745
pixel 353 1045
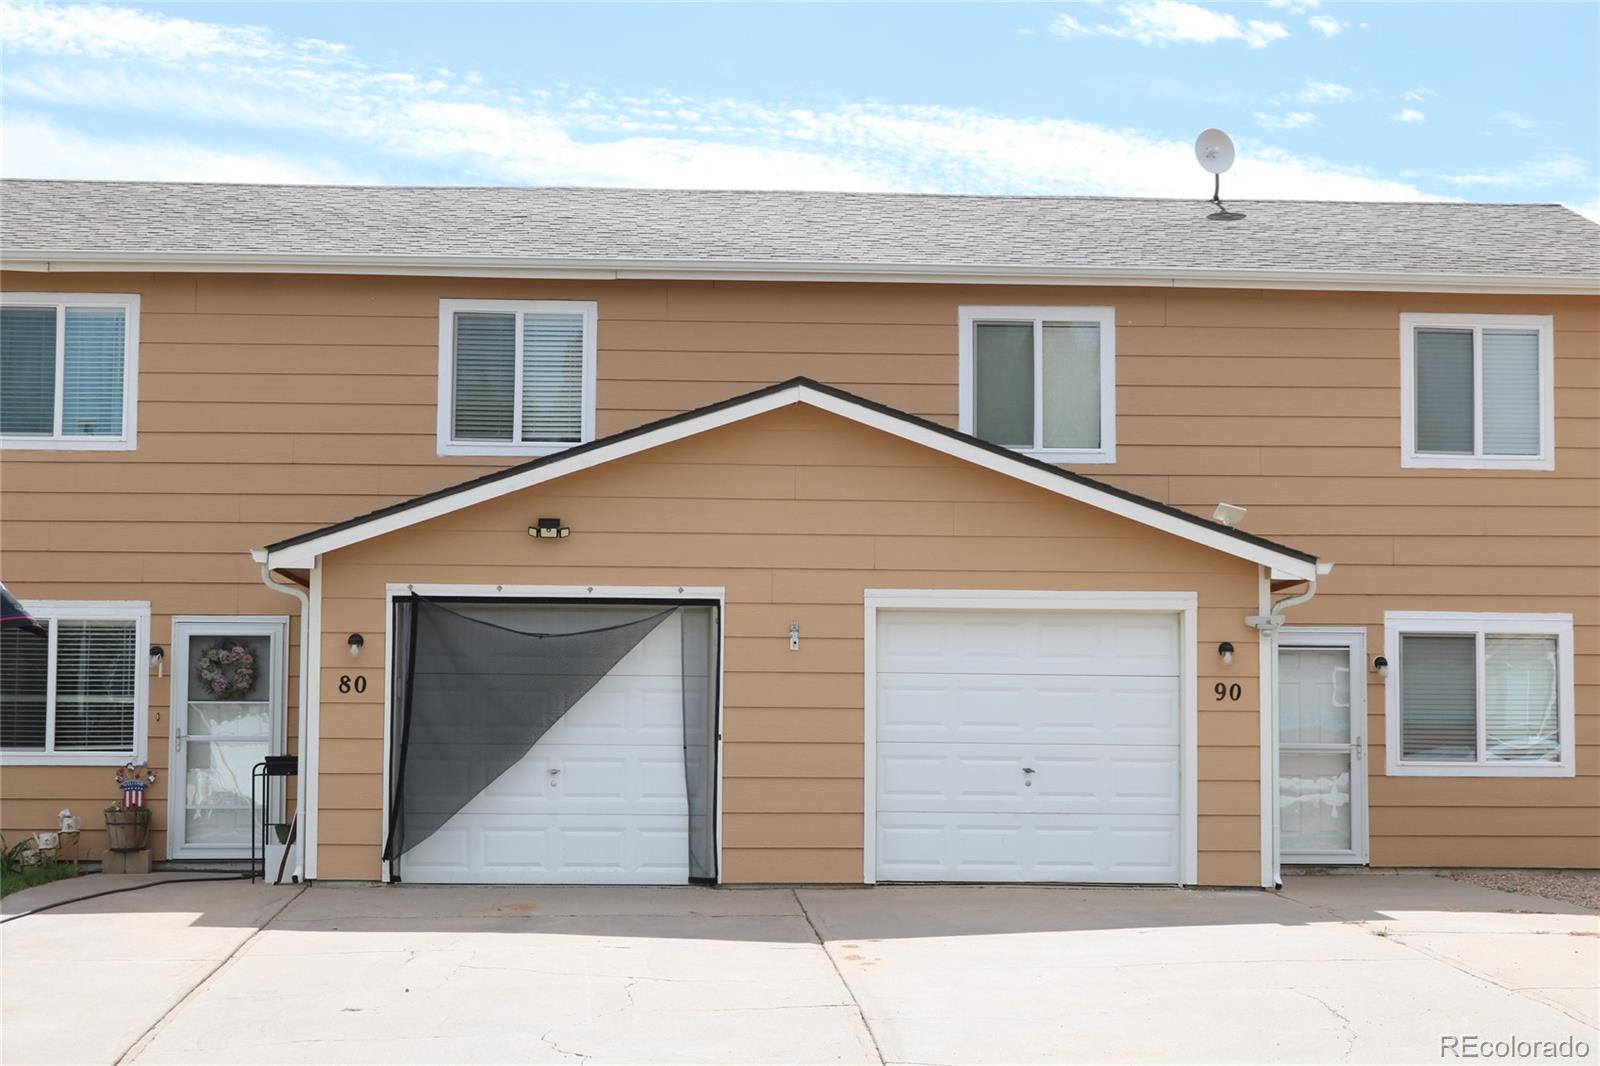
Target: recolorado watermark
pixel 1511 1047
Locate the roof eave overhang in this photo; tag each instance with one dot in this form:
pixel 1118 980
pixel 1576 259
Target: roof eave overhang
pixel 778 270
pixel 303 551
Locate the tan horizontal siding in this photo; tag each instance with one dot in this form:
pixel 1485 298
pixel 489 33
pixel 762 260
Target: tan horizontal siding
pixel 270 405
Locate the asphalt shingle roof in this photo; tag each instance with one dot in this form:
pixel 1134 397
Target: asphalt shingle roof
pixel 855 230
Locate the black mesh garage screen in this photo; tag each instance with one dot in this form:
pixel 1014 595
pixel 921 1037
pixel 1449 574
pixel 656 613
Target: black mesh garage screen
pixel 478 682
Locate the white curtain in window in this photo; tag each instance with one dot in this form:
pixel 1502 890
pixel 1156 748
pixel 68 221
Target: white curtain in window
pixel 484 376
pixel 1071 385
pixel 1444 398
pixel 91 402
pixel 28 370
pixel 95 685
pixel 1522 719
pixel 552 377
pixel 1510 392
pixel 1439 698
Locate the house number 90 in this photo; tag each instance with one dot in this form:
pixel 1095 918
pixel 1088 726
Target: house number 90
pixel 1228 692
pixel 358 684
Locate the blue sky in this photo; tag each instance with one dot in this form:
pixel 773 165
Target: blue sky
pixel 1477 101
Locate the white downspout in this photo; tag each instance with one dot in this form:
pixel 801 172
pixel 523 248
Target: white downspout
pixel 1267 625
pixel 304 598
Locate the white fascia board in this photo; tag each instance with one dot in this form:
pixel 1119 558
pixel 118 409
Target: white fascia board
pixel 304 554
pixel 821 271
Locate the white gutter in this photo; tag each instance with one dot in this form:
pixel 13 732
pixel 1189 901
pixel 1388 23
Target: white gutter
pixel 305 681
pixel 770 270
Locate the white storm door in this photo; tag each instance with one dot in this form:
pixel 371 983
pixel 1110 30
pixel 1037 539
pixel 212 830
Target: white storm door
pixel 221 728
pixel 1322 776
pixel 599 799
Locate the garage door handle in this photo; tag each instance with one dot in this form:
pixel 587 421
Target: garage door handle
pixel 1027 769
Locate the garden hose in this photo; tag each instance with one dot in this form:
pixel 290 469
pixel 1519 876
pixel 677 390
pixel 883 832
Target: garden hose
pixel 128 888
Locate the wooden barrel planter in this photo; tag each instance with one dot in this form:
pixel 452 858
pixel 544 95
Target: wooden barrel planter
pixel 129 829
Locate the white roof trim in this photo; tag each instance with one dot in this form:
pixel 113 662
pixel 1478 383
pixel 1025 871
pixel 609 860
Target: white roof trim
pixel 305 553
pixel 824 271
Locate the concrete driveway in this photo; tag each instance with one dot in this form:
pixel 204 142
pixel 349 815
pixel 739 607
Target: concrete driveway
pixel 1371 968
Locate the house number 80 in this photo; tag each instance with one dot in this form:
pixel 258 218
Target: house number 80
pixel 358 684
pixel 1228 692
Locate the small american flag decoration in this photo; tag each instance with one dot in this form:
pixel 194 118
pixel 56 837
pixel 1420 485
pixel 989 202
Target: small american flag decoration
pixel 133 779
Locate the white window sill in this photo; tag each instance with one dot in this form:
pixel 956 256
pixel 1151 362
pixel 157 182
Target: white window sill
pixel 1478 462
pixel 69 758
pixel 67 444
pixel 1468 769
pixel 1068 455
pixel 488 448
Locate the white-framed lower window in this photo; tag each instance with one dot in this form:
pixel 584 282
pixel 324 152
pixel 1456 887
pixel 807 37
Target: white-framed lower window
pixel 75 689
pixel 1479 695
pixel 516 377
pixel 1477 392
pixel 69 371
pixel 1041 380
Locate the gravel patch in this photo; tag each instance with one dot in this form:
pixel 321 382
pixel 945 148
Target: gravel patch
pixel 1569 886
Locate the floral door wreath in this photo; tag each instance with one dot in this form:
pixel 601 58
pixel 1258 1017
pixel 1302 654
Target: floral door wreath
pixel 228 670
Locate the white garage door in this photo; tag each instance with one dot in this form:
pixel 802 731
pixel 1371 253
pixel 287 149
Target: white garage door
pixel 600 799
pixel 1027 746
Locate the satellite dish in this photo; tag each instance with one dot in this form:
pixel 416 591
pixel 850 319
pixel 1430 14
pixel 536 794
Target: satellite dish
pixel 1214 150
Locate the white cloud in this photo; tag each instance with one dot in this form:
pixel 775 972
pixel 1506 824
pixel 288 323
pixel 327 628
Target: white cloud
pixel 1409 114
pixel 1517 122
pixel 1326 25
pixel 102 31
pixel 1325 92
pixel 462 131
pixel 1293 120
pixel 1173 21
pixel 1417 95
pixel 35 148
pixel 1533 174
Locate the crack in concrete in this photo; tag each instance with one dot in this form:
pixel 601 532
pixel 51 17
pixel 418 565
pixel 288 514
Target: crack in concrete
pixel 877 1050
pixel 1344 1023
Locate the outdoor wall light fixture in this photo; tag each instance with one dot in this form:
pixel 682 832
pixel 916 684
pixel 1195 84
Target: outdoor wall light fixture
pixel 355 644
pixel 1380 666
pixel 549 529
pixel 158 659
pixel 1225 649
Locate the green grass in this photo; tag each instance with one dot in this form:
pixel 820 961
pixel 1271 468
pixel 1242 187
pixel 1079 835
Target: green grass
pixel 42 874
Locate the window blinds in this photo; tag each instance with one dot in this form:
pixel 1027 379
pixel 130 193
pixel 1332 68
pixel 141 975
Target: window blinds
pixel 552 377
pixel 24 687
pixel 1445 401
pixel 95 663
pixel 91 402
pixel 28 370
pixel 1510 392
pixel 484 376
pixel 1071 385
pixel 1439 698
pixel 1522 720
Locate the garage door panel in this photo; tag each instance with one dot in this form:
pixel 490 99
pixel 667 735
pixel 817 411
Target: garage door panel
pixel 1045 708
pixel 619 849
pixel 1010 642
pixel 995 847
pixel 1085 780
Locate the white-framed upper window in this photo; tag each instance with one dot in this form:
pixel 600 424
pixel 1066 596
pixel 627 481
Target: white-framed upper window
pixel 75 691
pixel 1479 695
pixel 69 370
pixel 516 377
pixel 1477 392
pixel 1041 380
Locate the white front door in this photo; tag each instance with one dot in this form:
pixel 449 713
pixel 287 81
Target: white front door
pixel 1028 745
pixel 1322 723
pixel 229 679
pixel 599 799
